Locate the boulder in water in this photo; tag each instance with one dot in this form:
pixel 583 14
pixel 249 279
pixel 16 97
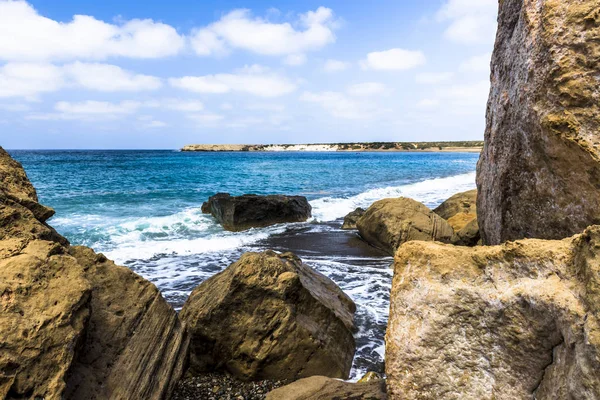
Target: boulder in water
pixel 270 316
pixel 459 210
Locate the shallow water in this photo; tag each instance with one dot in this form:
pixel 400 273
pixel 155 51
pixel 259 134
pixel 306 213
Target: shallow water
pixel 141 208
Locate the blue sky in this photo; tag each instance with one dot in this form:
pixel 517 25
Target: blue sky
pixel 89 74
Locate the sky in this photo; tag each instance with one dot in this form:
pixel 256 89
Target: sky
pixel 83 74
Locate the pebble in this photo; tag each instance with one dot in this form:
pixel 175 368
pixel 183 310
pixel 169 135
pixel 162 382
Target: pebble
pixel 217 386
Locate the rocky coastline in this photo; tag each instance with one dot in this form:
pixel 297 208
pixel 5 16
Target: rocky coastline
pixel 495 293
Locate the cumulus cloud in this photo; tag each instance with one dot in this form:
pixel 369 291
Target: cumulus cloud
pixel 393 59
pixel 470 21
pixel 240 30
pixel 335 65
pixel 206 119
pixel 432 78
pixel 25 35
pixel 477 63
pixel 295 60
pixel 29 80
pixel 109 78
pixel 88 110
pixel 339 105
pixel 253 80
pixel 367 89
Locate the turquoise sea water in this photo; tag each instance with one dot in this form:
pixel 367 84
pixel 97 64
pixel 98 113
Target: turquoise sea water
pixel 142 209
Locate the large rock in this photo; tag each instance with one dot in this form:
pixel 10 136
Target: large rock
pixel 73 324
pixel 352 218
pixel 252 211
pixel 517 321
pixel 390 222
pixel 269 316
pixel 323 388
pixel 459 210
pixel 539 172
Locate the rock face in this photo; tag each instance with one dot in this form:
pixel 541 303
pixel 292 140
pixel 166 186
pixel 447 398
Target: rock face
pixel 517 321
pixel 352 218
pixel 252 211
pixel 390 222
pixel 539 172
pixel 269 316
pixel 73 324
pixel 322 388
pixel 459 210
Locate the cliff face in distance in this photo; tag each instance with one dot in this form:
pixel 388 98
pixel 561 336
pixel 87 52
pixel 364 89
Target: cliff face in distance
pixel 539 171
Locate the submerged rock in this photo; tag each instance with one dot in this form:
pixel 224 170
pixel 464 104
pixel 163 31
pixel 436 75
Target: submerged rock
pixel 252 211
pixel 539 172
pixel 353 217
pixel 390 222
pixel 459 210
pixel 269 316
pixel 322 388
pixel 73 324
pixel 516 321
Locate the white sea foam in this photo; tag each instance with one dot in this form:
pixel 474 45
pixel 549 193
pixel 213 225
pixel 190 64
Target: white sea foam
pixel 431 192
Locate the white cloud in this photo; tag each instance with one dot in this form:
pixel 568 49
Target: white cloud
pixel 335 65
pixel 460 99
pixel 266 107
pixel 295 60
pixel 339 105
pixel 177 105
pixel 393 59
pixel 25 35
pixel 148 121
pixel 109 78
pixel 206 119
pixel 29 80
pixel 254 80
pixel 367 89
pixel 88 110
pixel 477 63
pixel 471 21
pixel 240 30
pixel 432 78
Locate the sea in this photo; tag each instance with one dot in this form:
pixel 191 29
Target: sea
pixel 142 209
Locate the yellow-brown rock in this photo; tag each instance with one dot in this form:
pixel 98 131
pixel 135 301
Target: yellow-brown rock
pixel 323 388
pixel 517 321
pixel 390 222
pixel 459 210
pixel 72 324
pixel 539 172
pixel 270 316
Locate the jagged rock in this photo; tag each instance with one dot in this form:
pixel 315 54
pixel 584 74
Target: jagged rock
pixel 369 377
pixel 72 324
pixel 517 321
pixel 459 210
pixel 252 211
pixel 351 219
pixel 539 172
pixel 269 316
pixel 322 388
pixel 390 222
pixel 469 235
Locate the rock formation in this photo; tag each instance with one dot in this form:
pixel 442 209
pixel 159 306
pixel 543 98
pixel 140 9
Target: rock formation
pixel 352 218
pixel 539 172
pixel 459 210
pixel 269 316
pixel 469 235
pixel 390 222
pixel 73 324
pixel 322 388
pixel 252 211
pixel 517 321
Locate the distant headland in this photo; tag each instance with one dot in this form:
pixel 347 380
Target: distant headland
pixel 466 146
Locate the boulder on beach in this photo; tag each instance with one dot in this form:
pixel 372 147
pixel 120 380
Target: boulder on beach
pixel 390 222
pixel 516 321
pixel 73 324
pixel 352 217
pixel 270 316
pixel 252 211
pixel 468 235
pixel 459 210
pixel 323 388
pixel 539 171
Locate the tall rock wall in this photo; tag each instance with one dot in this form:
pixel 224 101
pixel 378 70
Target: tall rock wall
pixel 539 172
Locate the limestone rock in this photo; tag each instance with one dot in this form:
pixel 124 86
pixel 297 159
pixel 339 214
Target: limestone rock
pixel 539 172
pixel 459 209
pixel 469 235
pixel 73 324
pixel 252 211
pixel 517 321
pixel 269 316
pixel 351 219
pixel 390 222
pixel 322 388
